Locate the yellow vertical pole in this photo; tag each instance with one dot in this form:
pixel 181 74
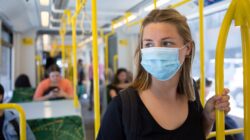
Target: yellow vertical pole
pixel 22 118
pixel 73 22
pixel 202 53
pixel 95 67
pixel 219 67
pixel 245 33
pixel 63 52
pixel 155 4
pixel 106 57
pixel 78 2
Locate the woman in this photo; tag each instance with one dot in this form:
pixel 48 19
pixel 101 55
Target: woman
pixel 166 106
pixel 120 82
pixel 22 81
pixel 54 87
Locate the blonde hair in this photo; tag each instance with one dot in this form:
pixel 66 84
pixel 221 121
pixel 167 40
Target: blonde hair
pixel 143 79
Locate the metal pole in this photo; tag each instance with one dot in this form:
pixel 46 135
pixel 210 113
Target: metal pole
pixel 219 67
pixel 155 4
pixel 22 118
pixel 202 53
pixel 245 33
pixel 95 66
pixel 73 22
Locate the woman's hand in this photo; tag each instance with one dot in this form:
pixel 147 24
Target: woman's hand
pixel 217 102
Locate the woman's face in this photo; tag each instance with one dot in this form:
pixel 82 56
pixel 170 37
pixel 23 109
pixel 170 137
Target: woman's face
pixel 164 35
pixel 54 76
pixel 122 76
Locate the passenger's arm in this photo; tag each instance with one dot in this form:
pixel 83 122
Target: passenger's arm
pixel 112 93
pixel 111 127
pixel 216 102
pixel 44 98
pixel 69 91
pixel 65 95
pixel 38 96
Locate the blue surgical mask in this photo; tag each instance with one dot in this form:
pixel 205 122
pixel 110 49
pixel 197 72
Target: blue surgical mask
pixel 161 62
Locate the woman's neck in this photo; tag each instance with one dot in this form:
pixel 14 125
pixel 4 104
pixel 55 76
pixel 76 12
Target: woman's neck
pixel 166 90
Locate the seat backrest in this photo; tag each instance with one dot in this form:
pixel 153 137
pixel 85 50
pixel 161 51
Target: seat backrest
pixel 22 95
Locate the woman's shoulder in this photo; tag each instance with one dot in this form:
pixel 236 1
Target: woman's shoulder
pixel 45 82
pixel 65 81
pixel 127 93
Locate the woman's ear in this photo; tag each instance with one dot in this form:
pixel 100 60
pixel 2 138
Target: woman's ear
pixel 189 47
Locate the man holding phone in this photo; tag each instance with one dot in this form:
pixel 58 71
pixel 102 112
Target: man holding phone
pixel 54 87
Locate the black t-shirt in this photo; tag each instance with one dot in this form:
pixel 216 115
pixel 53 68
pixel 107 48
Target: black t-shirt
pixel 1 128
pixel 112 87
pixel 112 126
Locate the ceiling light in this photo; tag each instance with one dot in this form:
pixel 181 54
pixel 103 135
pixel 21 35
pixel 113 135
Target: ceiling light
pixel 44 2
pixel 132 17
pixel 45 18
pixel 159 3
pixel 121 23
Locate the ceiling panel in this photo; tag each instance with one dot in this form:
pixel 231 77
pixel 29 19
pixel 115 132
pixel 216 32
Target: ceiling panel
pixel 20 14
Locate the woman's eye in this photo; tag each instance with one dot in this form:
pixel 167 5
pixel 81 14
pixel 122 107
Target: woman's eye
pixel 167 44
pixel 147 45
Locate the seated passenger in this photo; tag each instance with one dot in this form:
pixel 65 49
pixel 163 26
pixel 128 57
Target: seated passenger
pixel 54 87
pixel 120 82
pixel 229 122
pixel 9 123
pixel 22 81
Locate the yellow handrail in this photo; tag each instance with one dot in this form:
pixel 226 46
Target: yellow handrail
pixel 79 5
pixel 242 18
pixel 95 66
pixel 73 24
pixel 22 118
pixel 219 68
pixel 62 34
pixel 227 132
pixel 245 30
pixel 134 23
pixel 155 4
pixel 179 4
pixel 72 20
pixel 202 53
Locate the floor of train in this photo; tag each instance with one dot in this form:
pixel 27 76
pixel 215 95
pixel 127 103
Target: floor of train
pixel 88 120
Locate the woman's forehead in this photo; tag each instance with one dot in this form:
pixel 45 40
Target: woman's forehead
pixel 54 73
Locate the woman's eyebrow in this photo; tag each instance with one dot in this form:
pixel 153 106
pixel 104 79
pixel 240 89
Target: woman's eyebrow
pixel 147 40
pixel 165 38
